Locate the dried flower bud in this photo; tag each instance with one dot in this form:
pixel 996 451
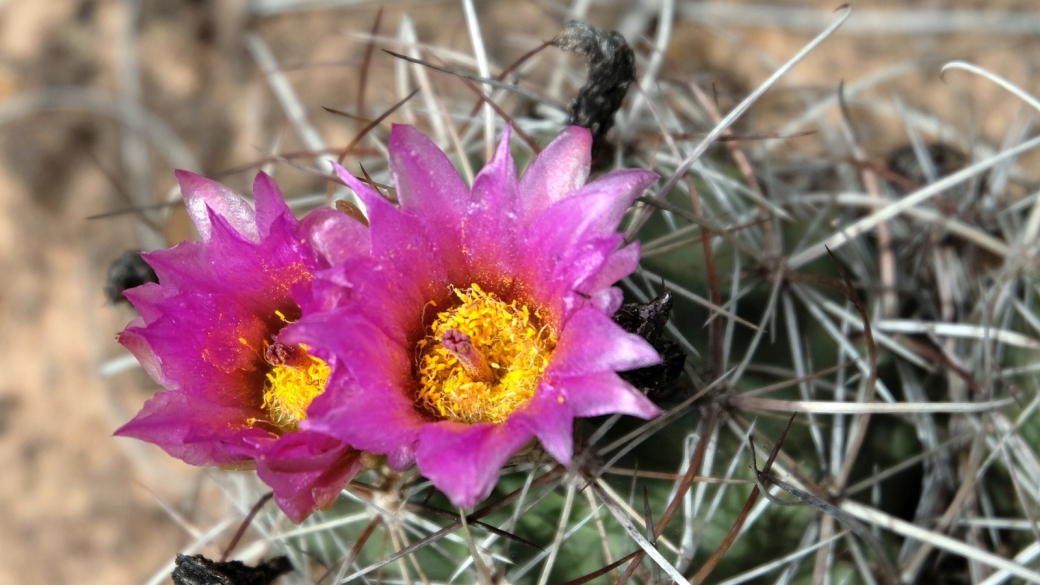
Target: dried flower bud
pixel 611 66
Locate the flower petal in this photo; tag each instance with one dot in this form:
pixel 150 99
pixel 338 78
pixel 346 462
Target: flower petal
pixel 571 241
pixel 591 343
pixel 429 187
pixel 334 235
pixel 403 243
pixel 181 267
pixel 560 286
pixel 595 210
pixel 560 169
pixel 270 205
pixel 228 263
pixel 201 193
pixel 206 346
pixel 620 264
pixel 605 393
pixel 306 471
pixel 359 187
pixel 607 300
pixel 364 403
pixel 371 355
pixel 464 461
pixel 147 299
pixel 377 419
pixel 426 181
pixel 138 345
pixel 490 230
pixel 192 430
pixel 550 418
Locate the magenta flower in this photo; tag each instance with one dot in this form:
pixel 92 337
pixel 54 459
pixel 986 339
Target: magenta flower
pixel 481 319
pixel 210 333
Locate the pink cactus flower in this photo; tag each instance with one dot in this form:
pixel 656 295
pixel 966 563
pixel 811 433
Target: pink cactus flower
pixel 210 333
pixel 479 319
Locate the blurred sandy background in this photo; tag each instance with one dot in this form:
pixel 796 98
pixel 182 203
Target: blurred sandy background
pixel 78 506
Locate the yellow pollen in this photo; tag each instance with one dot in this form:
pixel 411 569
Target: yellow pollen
pixel 291 388
pixel 482 359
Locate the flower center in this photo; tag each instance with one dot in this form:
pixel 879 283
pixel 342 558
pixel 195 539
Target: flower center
pixel 482 359
pixel 295 379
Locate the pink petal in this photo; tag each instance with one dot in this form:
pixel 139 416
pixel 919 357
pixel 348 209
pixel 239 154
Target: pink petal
pixel 306 471
pixel 426 181
pixel 404 244
pixel 605 393
pixel 620 264
pixel 378 419
pixel 364 403
pixel 147 299
pixel 491 228
pixel 334 235
pixel 389 299
pixel 550 418
pixel 607 300
pixel 353 337
pixel 359 187
pixel 197 432
pixel 561 168
pixel 464 461
pixel 270 205
pixel 201 193
pixel 197 348
pixel 137 345
pixel 555 280
pixel 571 241
pixel 182 266
pixel 590 343
pixel 597 208
pixel 429 187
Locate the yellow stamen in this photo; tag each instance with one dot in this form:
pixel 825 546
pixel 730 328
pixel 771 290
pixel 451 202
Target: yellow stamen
pixel 482 359
pixel 291 387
